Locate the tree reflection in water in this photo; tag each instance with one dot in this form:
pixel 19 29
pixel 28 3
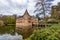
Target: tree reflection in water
pixel 7 29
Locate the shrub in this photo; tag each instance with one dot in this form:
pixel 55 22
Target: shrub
pixel 52 21
pixel 49 33
pixel 1 23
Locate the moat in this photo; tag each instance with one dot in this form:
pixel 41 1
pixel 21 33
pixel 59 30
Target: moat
pixel 11 37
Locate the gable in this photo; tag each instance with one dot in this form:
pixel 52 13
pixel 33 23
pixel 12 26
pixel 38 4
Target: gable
pixel 26 15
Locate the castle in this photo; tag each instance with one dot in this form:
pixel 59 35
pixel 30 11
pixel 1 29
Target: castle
pixel 26 20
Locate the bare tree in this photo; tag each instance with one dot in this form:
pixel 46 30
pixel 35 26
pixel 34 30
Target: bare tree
pixel 43 6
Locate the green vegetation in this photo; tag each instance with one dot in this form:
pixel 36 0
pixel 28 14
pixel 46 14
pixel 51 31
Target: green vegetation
pixel 48 33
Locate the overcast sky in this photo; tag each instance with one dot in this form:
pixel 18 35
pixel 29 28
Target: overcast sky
pixel 9 7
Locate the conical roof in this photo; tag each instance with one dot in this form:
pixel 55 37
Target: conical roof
pixel 26 14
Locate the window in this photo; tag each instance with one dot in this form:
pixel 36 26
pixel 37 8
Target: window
pixel 29 21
